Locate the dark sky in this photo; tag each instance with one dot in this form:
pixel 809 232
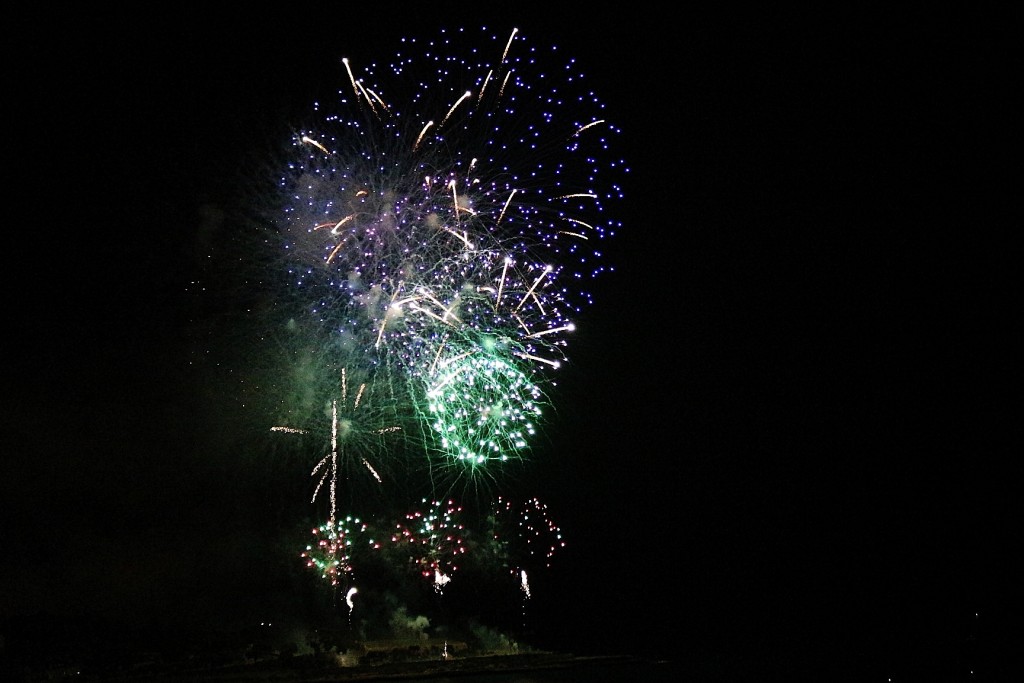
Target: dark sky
pixel 787 434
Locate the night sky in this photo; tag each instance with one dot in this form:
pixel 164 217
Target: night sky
pixel 786 437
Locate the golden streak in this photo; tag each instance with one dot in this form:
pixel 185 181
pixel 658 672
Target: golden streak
pixel 437 355
pixel 585 225
pixel 334 425
pixel 402 302
pixel 487 79
pixel 352 78
pixel 501 91
pixel 366 96
pixel 540 303
pixel 465 240
pixel 552 363
pixel 419 138
pixel 433 315
pixel 501 284
pixel 570 327
pixel 578 194
pixel 317 491
pixel 310 141
pixel 448 380
pixel 377 97
pixel 509 44
pixel 459 101
pixel 507 202
pixel 547 269
pixel 573 234
pixel 583 128
pixel 334 252
pixel 380 332
pixel 334 226
pixel 455 200
pixel 320 464
pixel 447 309
pixel 428 295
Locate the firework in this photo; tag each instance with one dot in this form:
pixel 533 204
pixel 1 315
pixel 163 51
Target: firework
pixel 331 552
pixel 482 406
pixel 445 198
pixel 438 227
pixel 433 540
pixel 362 422
pixel 526 536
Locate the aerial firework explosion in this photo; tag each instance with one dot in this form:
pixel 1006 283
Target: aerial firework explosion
pixel 444 217
pixel 331 551
pixel 436 230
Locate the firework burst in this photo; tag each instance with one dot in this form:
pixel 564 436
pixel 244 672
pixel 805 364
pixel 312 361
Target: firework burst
pixel 475 200
pixel 527 537
pixel 331 552
pixel 433 539
pixel 363 423
pixel 437 229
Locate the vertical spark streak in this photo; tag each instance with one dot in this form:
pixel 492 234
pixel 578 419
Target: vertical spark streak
pixel 334 458
pixel 505 207
pixel 501 282
pixel 466 95
pixel 351 77
pixel 504 55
